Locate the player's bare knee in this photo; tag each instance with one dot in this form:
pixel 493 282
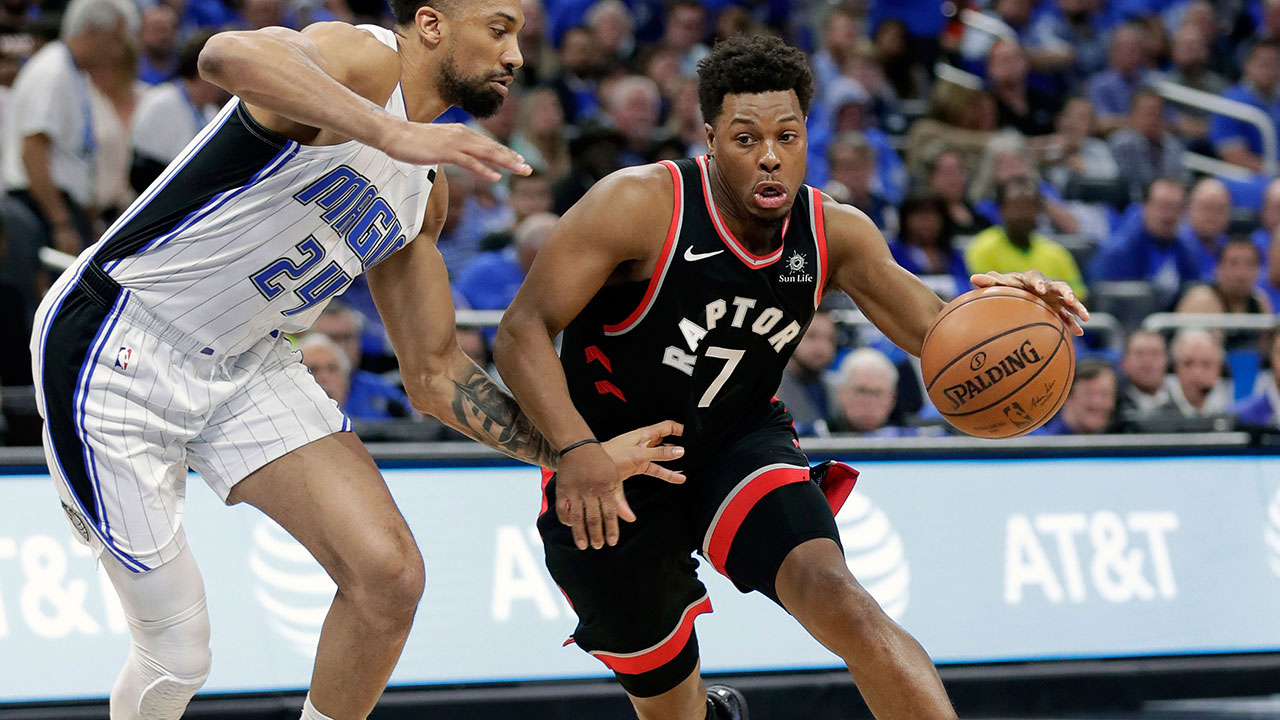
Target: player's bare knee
pixel 389 584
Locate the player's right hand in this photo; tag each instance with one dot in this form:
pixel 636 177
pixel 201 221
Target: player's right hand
pixel 453 144
pixel 589 494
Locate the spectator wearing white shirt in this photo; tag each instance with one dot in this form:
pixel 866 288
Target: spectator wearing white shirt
pixel 49 143
pixel 171 114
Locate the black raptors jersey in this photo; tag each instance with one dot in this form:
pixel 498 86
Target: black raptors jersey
pixel 705 340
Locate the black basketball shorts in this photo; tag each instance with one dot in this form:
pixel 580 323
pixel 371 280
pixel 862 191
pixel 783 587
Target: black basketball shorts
pixel 636 601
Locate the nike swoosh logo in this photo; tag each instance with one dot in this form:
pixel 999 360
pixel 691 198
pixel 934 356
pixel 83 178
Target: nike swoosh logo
pixel 694 257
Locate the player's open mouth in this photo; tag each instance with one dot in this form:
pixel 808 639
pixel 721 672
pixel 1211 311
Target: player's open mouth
pixel 770 195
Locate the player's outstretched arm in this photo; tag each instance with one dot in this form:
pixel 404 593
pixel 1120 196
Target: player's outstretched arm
pixel 335 77
pixel 609 229
pixel 896 301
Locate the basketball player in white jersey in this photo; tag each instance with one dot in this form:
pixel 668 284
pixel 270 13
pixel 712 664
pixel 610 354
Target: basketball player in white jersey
pixel 162 349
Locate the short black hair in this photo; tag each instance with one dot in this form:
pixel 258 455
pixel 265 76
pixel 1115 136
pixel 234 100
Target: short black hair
pixel 189 55
pixel 1022 184
pixel 752 64
pixel 1242 241
pixel 404 10
pixel 1090 368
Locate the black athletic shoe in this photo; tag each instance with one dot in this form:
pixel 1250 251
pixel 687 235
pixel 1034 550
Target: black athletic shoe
pixel 727 702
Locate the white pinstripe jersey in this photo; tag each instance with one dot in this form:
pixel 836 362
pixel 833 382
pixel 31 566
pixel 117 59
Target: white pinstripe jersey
pixel 247 232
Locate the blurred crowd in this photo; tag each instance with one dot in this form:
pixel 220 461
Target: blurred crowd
pixel 983 135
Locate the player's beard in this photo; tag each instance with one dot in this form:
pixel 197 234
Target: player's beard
pixel 474 94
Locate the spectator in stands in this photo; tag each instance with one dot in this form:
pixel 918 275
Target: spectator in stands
pixel 633 103
pixel 529 195
pixel 1008 156
pixel 1240 142
pixel 949 180
pixel 902 70
pixel 1005 19
pixel 460 236
pixel 502 125
pixel 851 170
pixel 1073 153
pixel 1190 55
pixel 158 42
pixel 1018 105
pixel 1208 215
pixel 1076 34
pixel 923 245
pixel 328 365
pixel 686 28
pixel 882 107
pixel 171 114
pixel 1091 403
pixel 1234 289
pixel 1270 284
pixel 579 70
pixel 840 32
pixel 1146 365
pixel 1146 149
pixel 535 45
pixel 1148 248
pixel 1111 91
pixel 1198 390
pixel 1262 408
pixel 1017 246
pixel 258 14
pixel 960 117
pixel 50 143
pixel 595 151
pixel 491 280
pixel 361 394
pixel 866 389
pixel 615 28
pixel 1269 217
pixel 540 135
pixel 849 108
pixel 804 386
pixel 685 119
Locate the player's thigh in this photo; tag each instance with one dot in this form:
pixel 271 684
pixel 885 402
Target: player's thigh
pixel 760 505
pixel 278 444
pixel 118 410
pixel 331 497
pixel 635 601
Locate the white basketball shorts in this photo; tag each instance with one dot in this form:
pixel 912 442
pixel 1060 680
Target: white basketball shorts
pixel 130 404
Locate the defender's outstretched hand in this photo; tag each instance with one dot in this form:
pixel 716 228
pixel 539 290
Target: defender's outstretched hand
pixel 1056 293
pixel 454 144
pixel 589 496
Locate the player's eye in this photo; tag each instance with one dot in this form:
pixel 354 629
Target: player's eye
pixel 744 139
pixel 789 136
pixel 499 32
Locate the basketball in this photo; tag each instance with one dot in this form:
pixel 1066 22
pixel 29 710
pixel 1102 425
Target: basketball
pixel 997 362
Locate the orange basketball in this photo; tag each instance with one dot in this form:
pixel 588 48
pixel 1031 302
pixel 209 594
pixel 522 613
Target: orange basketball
pixel 997 362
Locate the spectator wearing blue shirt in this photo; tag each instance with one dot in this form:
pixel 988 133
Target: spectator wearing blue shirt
pixel 1111 91
pixel 1076 32
pixel 1147 248
pixel 1018 105
pixel 840 32
pixel 851 163
pixel 1262 408
pixel 924 243
pixel 1240 142
pixel 1090 407
pixel 1205 228
pixel 491 280
pixel 370 398
pixel 1269 218
pixel 158 44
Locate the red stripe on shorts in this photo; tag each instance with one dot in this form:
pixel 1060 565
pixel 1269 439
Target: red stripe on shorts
pixel 660 654
pixel 733 511
pixel 547 474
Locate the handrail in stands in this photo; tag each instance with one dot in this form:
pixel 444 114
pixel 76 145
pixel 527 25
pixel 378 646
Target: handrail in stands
pixel 1210 321
pixel 1183 95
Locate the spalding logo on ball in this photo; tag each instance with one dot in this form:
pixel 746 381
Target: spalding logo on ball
pixel 997 362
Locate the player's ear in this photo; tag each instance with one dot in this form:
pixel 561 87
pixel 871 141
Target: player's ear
pixel 711 139
pixel 430 24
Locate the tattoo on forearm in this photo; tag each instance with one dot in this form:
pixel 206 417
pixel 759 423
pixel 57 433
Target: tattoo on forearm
pixel 491 415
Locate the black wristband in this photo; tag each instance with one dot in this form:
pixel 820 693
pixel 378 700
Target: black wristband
pixel 579 444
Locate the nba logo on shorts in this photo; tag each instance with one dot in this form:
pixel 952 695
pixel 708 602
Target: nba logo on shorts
pixel 122 358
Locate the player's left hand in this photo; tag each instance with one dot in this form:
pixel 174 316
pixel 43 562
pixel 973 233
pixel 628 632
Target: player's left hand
pixel 1056 293
pixel 638 452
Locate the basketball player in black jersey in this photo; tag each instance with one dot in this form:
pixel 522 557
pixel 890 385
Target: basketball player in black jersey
pixel 682 289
